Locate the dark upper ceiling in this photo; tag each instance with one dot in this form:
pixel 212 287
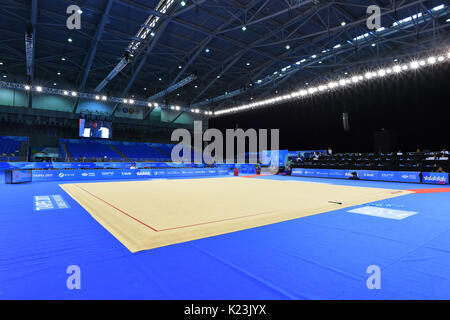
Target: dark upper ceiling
pixel 236 58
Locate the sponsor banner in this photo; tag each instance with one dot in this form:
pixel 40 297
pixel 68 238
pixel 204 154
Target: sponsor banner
pixel 407 176
pixel 71 175
pixel 435 178
pixel 113 165
pixel 394 176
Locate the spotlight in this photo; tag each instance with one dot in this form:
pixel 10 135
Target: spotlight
pixel 97 97
pixel 66 93
pixel 27 87
pixel 39 89
pixel 244 28
pixel 414 64
pixel 104 98
pixel 74 94
pixel 431 60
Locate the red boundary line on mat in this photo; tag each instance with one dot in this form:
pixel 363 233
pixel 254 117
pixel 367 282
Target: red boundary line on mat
pixel 168 229
pixel 257 175
pixel 128 215
pixel 431 190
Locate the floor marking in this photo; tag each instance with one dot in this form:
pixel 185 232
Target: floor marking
pixel 130 216
pixel 173 228
pixel 384 212
pixel 257 175
pixel 430 190
pixel 51 202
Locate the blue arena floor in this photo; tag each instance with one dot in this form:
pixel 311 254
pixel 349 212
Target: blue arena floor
pixel 318 257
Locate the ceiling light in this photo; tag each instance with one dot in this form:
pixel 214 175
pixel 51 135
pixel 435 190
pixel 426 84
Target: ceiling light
pixel 244 28
pixel 69 39
pixel 27 87
pixel 74 94
pixel 414 64
pixel 39 89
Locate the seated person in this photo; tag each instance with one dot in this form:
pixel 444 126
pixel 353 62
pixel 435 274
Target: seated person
pixel 440 170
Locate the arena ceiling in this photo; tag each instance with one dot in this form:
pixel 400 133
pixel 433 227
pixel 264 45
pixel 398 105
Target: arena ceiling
pixel 209 53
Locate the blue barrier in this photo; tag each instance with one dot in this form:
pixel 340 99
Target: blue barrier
pixel 99 174
pixel 394 176
pixel 248 168
pixel 435 178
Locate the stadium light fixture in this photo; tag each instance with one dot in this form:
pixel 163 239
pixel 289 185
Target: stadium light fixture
pixel 39 89
pixel 74 94
pixel 347 81
pixel 27 87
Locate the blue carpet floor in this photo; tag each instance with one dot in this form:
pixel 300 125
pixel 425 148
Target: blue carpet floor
pixel 318 257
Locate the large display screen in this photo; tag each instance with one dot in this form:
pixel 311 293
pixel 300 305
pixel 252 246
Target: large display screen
pixel 18 176
pixel 95 129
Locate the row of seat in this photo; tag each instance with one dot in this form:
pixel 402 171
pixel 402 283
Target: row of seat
pixel 426 162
